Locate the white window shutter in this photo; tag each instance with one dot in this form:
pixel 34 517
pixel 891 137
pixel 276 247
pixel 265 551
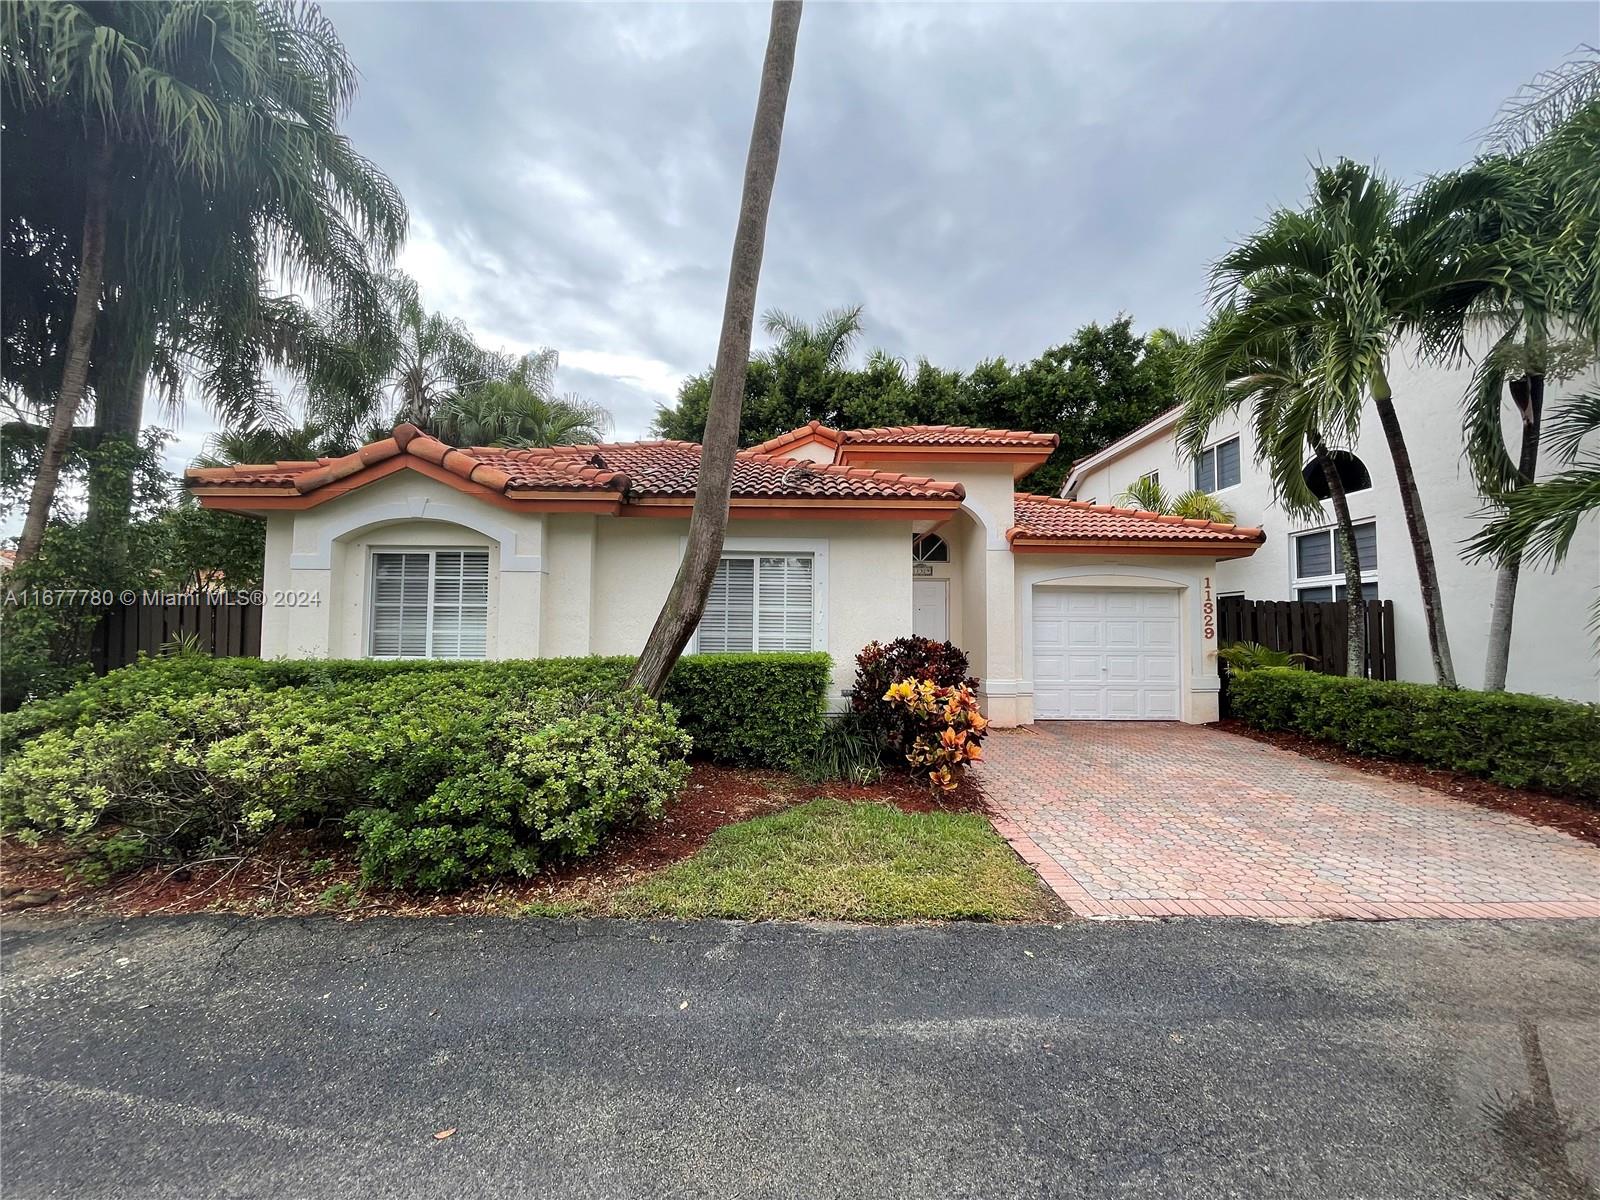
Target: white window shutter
pixel 430 604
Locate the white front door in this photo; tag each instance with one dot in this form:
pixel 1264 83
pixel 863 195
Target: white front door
pixel 930 608
pixel 1104 654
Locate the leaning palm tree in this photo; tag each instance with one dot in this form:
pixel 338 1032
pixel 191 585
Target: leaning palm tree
pixel 192 136
pixel 1354 274
pixel 1275 376
pixel 519 408
pixel 708 525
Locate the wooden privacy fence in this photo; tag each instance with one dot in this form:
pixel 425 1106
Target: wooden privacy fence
pixel 223 624
pixel 1310 627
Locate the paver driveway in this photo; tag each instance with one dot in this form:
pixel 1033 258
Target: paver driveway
pixel 1158 819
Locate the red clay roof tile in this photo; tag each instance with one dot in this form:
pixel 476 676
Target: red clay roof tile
pixel 1049 518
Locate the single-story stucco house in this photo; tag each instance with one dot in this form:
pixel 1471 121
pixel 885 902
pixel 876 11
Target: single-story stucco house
pixel 411 548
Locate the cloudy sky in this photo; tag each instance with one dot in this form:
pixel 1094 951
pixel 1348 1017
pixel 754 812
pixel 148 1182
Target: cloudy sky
pixel 982 178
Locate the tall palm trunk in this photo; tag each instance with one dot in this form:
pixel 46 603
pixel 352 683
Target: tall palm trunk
pixel 75 371
pixel 1417 526
pixel 1355 626
pixel 119 382
pixel 1527 394
pixel 720 442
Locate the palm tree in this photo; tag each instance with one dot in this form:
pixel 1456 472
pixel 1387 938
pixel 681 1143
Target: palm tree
pixel 828 341
pixel 1275 375
pixel 1535 315
pixel 708 525
pixel 1147 495
pixel 409 367
pixel 1353 274
pixel 519 407
pixel 300 443
pixel 196 154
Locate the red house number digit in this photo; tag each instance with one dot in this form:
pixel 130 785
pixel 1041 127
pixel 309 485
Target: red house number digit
pixel 1208 610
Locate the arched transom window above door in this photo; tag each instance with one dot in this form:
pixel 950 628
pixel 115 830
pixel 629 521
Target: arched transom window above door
pixel 929 548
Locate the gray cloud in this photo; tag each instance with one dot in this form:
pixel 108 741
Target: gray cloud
pixel 983 178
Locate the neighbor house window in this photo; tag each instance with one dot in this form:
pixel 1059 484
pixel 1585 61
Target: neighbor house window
pixel 429 604
pixel 759 602
pixel 1217 467
pixel 1153 478
pixel 1319 563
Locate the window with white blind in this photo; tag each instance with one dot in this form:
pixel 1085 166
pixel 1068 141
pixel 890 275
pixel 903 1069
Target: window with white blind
pixel 429 604
pixel 760 602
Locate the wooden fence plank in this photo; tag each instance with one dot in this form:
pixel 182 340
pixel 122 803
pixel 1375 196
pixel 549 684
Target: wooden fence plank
pixel 1313 628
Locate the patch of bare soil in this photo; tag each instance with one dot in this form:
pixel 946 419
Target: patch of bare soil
pixel 1554 812
pixel 312 872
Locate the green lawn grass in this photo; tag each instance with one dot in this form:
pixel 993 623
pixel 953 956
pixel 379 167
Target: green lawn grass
pixel 852 862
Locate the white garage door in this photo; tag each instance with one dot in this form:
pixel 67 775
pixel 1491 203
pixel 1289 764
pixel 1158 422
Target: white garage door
pixel 1105 655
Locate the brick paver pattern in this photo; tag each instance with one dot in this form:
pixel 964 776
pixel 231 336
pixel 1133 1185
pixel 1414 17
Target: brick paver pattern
pixel 1128 818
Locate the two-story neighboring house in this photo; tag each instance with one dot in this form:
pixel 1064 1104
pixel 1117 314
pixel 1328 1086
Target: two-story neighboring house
pixel 1553 650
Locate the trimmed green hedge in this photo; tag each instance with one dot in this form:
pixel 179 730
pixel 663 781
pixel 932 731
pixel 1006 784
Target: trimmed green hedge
pixel 745 709
pixel 1513 739
pixel 442 779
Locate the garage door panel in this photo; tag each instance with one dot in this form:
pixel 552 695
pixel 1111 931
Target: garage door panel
pixel 1106 654
pixel 1081 668
pixel 1160 670
pixel 1122 668
pixel 1158 604
pixel 1121 634
pixel 1122 704
pixel 1159 634
pixel 1161 706
pixel 1086 634
pixel 1083 705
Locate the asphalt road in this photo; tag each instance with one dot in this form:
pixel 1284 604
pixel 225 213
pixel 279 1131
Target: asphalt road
pixel 201 1057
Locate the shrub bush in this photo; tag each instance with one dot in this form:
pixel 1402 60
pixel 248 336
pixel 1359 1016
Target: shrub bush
pixel 879 665
pixel 949 728
pixel 450 778
pixel 747 709
pixel 547 781
pixel 1513 739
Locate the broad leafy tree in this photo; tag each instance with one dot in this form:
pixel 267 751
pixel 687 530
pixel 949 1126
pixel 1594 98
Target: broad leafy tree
pixel 1103 383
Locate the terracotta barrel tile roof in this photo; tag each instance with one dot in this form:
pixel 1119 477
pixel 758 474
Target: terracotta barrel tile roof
pixel 909 435
pixel 947 435
pixel 635 470
pixel 666 469
pixel 1048 518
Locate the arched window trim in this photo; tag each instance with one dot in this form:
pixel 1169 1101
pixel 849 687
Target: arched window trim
pixel 929 548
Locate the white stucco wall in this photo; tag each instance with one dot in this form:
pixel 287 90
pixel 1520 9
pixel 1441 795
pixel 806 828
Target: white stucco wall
pixel 1552 652
pixel 316 574
pixel 867 565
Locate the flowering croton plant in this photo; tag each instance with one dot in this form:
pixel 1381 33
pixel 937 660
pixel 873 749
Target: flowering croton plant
pixel 949 729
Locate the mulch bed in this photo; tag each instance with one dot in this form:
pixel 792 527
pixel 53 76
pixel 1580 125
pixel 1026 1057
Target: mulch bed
pixel 1554 812
pixel 309 873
